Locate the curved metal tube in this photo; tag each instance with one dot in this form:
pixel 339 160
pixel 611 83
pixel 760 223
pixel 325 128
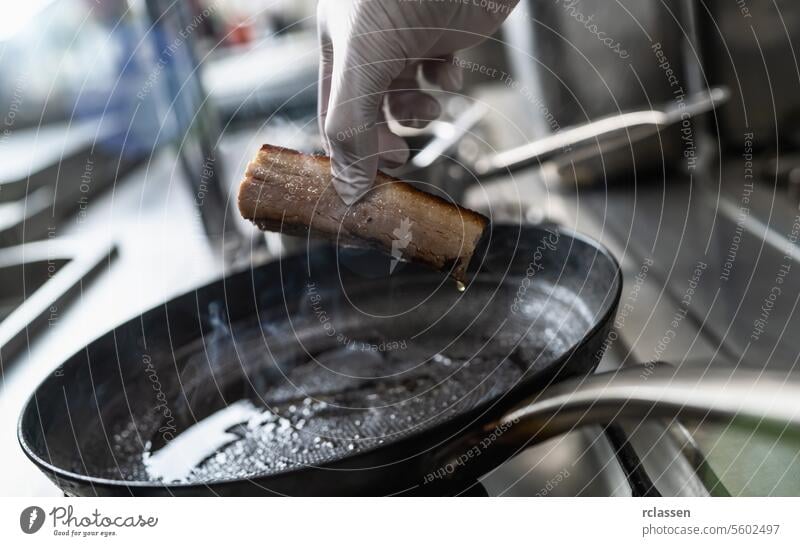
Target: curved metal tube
pixel 660 391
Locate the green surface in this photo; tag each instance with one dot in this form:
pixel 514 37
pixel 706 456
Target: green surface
pixel 752 461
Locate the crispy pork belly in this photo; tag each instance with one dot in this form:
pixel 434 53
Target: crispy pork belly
pixel 291 193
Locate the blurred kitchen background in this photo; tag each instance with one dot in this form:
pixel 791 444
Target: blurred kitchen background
pixel 126 125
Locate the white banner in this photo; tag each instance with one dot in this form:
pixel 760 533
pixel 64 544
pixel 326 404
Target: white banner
pixel 400 521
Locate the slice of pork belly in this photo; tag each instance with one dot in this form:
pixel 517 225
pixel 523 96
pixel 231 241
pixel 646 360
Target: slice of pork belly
pixel 290 192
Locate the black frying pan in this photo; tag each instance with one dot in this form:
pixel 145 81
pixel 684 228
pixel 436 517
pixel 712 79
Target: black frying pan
pixel 321 374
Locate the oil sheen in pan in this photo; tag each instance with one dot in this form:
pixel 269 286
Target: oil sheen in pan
pixel 279 412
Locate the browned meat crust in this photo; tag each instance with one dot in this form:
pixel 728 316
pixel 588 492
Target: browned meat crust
pixel 290 192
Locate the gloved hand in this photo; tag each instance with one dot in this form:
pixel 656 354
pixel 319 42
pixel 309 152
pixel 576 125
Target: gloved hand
pixel 371 53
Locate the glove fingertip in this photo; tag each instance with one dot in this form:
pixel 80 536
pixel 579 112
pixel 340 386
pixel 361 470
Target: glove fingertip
pixel 349 192
pixel 352 180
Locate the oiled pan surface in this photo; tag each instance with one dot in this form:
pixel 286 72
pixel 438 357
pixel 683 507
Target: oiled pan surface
pixel 309 361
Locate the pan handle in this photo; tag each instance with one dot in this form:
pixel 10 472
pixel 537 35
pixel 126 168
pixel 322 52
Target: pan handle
pixel 608 133
pixel 661 391
pixel 636 393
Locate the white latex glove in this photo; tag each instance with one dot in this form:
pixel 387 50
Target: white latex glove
pixel 371 54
